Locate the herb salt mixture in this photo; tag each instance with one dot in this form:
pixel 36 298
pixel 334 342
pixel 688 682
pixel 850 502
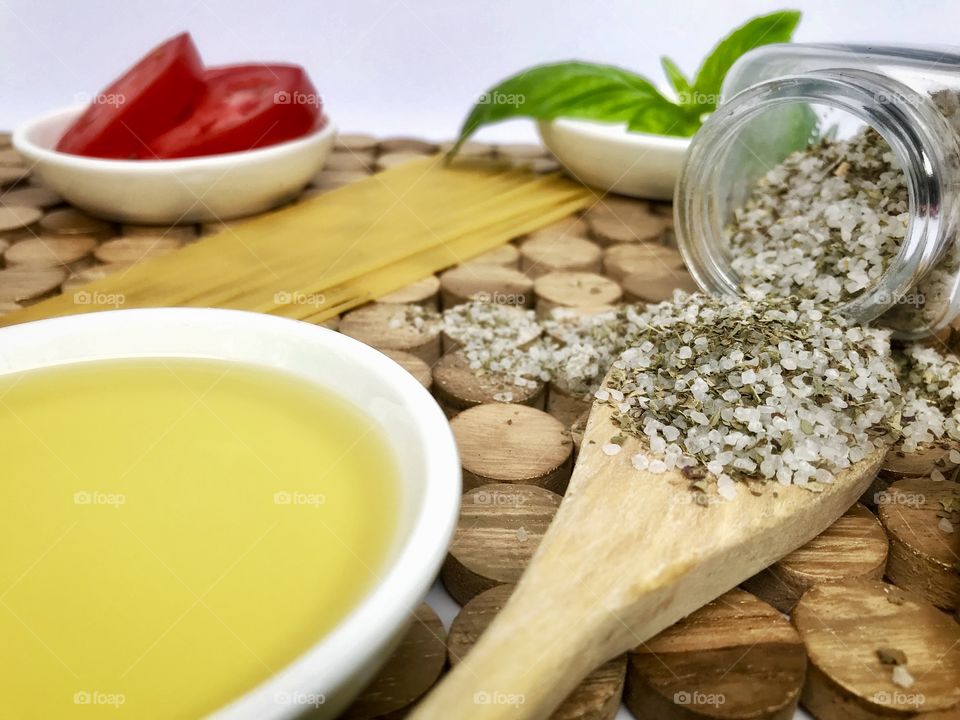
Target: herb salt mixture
pixel 749 390
pixel 931 397
pixel 824 224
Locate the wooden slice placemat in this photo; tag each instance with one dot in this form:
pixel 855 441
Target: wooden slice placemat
pixel 596 698
pixel 410 671
pixel 852 548
pixel 499 529
pixel 736 657
pixel 509 443
pixel 924 555
pixel 857 633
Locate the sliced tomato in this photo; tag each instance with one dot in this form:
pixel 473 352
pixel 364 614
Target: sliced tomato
pixel 152 96
pixel 245 107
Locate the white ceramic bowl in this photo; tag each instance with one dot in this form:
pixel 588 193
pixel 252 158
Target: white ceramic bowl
pixel 201 189
pixel 610 158
pixel 340 664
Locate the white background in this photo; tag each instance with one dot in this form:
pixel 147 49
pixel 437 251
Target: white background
pixel 414 67
pixel 406 66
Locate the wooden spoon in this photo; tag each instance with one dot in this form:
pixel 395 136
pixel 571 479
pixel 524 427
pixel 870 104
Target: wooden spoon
pixel 628 554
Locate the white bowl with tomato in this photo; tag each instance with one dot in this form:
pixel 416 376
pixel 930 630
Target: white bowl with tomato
pixel 171 141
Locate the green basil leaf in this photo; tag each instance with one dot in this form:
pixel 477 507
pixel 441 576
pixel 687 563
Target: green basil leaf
pixel 764 30
pixel 677 80
pixel 662 117
pixel 573 90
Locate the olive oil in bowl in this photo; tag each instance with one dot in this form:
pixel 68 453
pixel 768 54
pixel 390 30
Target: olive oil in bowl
pixel 177 530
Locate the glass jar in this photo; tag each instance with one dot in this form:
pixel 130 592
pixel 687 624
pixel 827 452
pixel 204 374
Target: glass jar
pixel 780 99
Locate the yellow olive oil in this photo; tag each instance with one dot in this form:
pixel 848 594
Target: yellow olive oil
pixel 174 531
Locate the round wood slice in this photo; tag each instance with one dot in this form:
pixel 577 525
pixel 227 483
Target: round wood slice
pixel 927 458
pixel 459 387
pixel 489 283
pixel 357 142
pixel 182 233
pixel 46 252
pixel 97 272
pixel 35 197
pixel 70 221
pixel 626 259
pixel 12 174
pixel 350 161
pixel 132 250
pixel 469 149
pixel 565 406
pixel 413 365
pixel 522 151
pixel 9 156
pixel 390 160
pixel 506 255
pixel 656 285
pixel 573 289
pixel 596 698
pixel 27 285
pixel 854 547
pixel 410 671
pixel 407 144
pixel 923 556
pixel 6 139
pixel 570 226
pixel 619 220
pixel 544 254
pixel 736 657
pixel 853 631
pixel 333 179
pixel 498 531
pixel 422 292
pixel 509 443
pixel 391 327
pixel 17 217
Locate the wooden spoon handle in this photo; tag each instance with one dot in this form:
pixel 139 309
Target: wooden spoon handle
pixel 524 664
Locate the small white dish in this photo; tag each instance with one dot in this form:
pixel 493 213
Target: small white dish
pixel 201 189
pixel 610 158
pixel 337 667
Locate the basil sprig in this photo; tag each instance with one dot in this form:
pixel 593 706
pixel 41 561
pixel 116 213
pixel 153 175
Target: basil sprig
pixel 611 94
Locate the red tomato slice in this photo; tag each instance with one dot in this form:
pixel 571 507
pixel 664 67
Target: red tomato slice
pixel 152 96
pixel 245 107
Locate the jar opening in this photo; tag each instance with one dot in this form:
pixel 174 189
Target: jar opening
pixel 786 142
